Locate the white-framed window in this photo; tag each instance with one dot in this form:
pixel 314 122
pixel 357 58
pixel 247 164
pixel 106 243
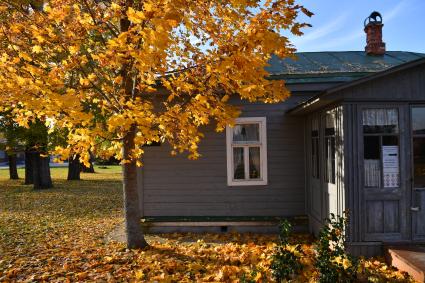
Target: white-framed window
pixel 247 152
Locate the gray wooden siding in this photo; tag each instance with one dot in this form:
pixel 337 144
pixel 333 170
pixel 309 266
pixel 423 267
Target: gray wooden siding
pixel 404 86
pixel 351 179
pixel 176 186
pixel 365 249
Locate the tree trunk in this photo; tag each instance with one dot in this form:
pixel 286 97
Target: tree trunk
pixel 134 232
pixel 89 169
pixel 13 169
pixel 74 168
pixel 28 167
pixel 41 171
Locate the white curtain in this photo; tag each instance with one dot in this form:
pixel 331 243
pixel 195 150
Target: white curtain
pixel 372 173
pixel 380 117
pixel 238 163
pixel 254 162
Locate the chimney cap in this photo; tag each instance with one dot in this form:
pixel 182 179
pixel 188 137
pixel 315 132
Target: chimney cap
pixel 374 19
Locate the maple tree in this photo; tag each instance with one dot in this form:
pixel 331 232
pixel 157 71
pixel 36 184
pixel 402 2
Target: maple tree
pixel 122 74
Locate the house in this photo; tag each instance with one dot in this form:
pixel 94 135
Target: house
pixel 351 137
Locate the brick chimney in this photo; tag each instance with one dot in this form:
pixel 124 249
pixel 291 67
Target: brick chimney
pixel 373 29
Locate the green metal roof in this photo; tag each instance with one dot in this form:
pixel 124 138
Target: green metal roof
pixel 343 66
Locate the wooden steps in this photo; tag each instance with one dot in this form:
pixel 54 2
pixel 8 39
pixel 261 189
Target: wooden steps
pixel 410 259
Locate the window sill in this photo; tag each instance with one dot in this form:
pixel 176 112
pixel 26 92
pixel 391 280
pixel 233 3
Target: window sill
pixel 246 183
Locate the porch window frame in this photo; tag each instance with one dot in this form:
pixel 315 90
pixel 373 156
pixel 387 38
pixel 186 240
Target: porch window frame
pixel 412 138
pixel 262 144
pixel 380 136
pixel 330 148
pixel 315 148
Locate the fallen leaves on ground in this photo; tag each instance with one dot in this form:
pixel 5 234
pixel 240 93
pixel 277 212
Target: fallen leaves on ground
pixel 59 235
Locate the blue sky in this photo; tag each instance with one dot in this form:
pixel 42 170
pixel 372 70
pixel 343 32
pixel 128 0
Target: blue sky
pixel 338 25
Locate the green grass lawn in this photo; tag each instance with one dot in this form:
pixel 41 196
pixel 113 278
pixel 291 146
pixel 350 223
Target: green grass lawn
pixel 60 173
pixel 59 235
pixel 38 229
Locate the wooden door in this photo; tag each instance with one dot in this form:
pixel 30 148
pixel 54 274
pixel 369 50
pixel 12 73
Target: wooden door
pixel 383 163
pixel 418 172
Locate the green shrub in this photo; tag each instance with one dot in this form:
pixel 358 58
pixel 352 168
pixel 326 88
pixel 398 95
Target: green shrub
pixel 286 259
pixel 333 263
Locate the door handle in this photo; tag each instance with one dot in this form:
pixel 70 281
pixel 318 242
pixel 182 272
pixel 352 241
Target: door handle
pixel 415 208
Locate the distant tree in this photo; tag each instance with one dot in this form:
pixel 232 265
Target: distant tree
pixel 37 158
pixel 12 142
pixel 136 72
pixel 13 166
pixel 33 140
pixel 58 138
pixel 74 167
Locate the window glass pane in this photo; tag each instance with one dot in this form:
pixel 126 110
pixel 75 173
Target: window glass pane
pixel 372 161
pixel 315 128
pixel 315 124
pixel 419 162
pixel 418 120
pixel 254 163
pixel 333 153
pixel 246 133
pixel 313 158
pixel 383 121
pixel 238 163
pixel 330 147
pixel 372 147
pixel 330 159
pixel 330 123
pixel 315 147
pixel 390 140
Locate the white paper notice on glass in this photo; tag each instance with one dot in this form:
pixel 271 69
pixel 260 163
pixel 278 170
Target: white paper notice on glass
pixel 391 171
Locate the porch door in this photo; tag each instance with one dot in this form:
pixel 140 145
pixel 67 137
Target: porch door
pixel 418 174
pixel 329 161
pixel 383 155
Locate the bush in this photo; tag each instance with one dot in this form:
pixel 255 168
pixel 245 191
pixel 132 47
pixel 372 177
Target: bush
pixel 333 263
pixel 286 259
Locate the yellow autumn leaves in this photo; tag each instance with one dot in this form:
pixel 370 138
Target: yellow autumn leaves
pixel 60 235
